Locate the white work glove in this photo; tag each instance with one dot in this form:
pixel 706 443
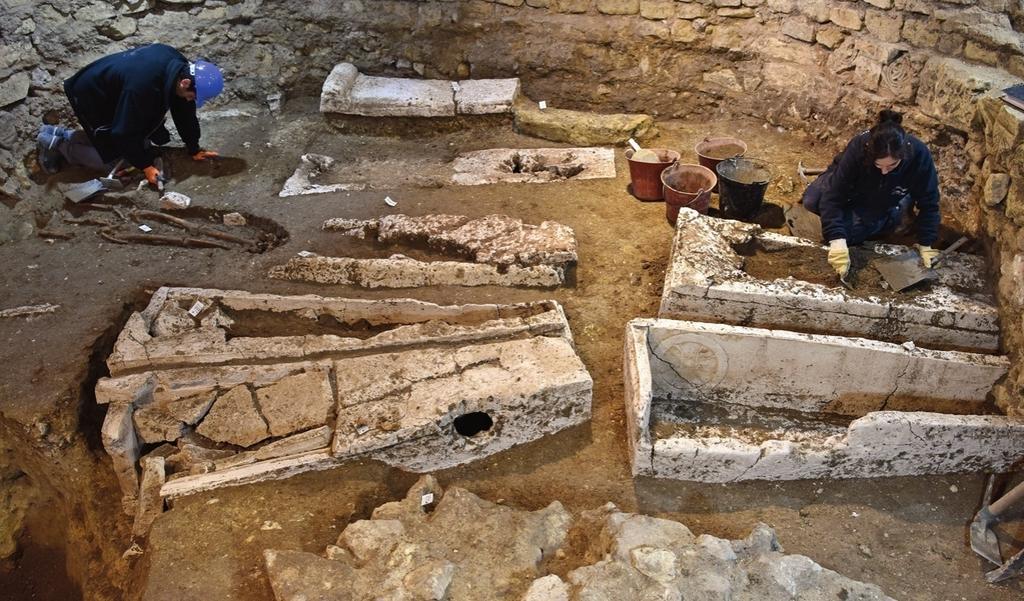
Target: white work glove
pixel 839 256
pixel 928 255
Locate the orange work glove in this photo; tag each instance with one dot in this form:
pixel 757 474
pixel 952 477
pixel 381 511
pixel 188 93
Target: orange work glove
pixel 152 176
pixel 202 155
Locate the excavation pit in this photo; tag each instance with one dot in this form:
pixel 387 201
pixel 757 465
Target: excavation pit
pixel 720 403
pixel 737 273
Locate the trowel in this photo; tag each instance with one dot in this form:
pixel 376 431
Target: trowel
pixel 85 190
pixel 983 538
pixel 905 270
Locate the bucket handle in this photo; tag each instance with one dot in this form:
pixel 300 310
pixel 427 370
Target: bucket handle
pixel 696 197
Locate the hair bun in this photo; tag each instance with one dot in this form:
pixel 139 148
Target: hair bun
pixel 890 116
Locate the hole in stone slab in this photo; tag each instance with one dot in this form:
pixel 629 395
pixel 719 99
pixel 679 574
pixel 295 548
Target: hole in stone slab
pixel 471 424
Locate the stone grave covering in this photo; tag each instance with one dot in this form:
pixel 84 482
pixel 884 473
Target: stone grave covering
pixel 320 174
pixel 451 544
pixel 494 250
pixel 347 91
pixel 210 388
pixel 721 403
pixel 707 281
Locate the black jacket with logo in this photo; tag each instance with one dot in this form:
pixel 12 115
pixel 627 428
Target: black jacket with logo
pixel 122 100
pixel 853 182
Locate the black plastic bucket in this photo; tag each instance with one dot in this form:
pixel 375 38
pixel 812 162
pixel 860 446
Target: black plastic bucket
pixel 742 183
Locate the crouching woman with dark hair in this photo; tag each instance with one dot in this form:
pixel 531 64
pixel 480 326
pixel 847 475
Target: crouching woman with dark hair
pixel 870 186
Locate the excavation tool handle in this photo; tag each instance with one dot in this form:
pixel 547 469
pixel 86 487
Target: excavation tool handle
pixel 1008 500
pixel 948 251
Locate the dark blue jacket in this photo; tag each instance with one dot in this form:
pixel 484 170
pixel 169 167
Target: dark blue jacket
pixel 121 100
pixel 853 182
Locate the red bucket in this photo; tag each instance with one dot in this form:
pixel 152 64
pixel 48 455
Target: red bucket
pixel 645 178
pixel 687 186
pixel 713 151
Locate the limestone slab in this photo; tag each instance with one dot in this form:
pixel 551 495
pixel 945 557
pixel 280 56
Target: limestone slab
pixel 485 96
pixel 296 403
pixel 349 92
pixel 311 167
pixel 804 406
pixel 579 127
pixel 399 271
pixel 706 282
pixel 235 419
pixel 532 165
pixel 494 239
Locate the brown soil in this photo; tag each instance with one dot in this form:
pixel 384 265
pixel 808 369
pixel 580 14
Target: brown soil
pixel 725 151
pixel 209 546
pixel 810 264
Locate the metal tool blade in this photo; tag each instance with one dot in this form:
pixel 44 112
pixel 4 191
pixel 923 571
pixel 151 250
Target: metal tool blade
pixel 79 192
pixel 904 271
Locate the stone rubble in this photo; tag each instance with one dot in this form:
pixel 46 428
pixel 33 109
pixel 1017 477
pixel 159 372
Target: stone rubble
pixel 244 408
pixel 311 166
pixel 460 547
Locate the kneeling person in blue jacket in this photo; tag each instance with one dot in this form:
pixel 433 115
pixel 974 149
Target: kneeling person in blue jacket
pixel 121 102
pixel 870 186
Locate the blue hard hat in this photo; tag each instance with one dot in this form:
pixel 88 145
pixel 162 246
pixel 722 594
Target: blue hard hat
pixel 207 79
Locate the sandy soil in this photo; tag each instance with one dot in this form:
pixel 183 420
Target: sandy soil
pixel 907 535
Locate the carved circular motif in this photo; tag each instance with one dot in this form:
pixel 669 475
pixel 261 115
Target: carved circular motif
pixel 692 361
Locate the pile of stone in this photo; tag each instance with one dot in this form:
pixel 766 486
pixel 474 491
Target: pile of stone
pixel 453 545
pixel 495 250
pixel 216 387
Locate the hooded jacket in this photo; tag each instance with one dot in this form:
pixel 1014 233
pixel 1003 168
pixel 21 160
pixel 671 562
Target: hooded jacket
pixel 852 182
pixel 122 100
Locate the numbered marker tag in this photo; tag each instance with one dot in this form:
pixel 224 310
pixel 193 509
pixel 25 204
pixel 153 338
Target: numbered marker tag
pixel 426 499
pixel 360 430
pixel 305 254
pixel 389 202
pixel 543 104
pixel 636 147
pixel 145 228
pixel 196 309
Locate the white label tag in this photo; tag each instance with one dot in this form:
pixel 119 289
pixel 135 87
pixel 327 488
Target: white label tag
pixel 389 202
pixel 360 430
pixel 196 309
pixel 543 104
pixel 636 147
pixel 426 499
pixel 305 254
pixel 145 228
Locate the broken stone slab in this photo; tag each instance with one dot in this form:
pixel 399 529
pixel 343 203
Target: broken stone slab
pixel 160 335
pixel 580 128
pixel 706 421
pixel 312 166
pixel 950 89
pixel 347 91
pixel 532 165
pixel 29 310
pixel 272 469
pixel 121 443
pixel 706 282
pixel 474 402
pixel 168 421
pixel 235 419
pixel 494 239
pixel 296 402
pixel 485 96
pixel 399 271
pixel 296 444
pixel 151 504
pixel 421 555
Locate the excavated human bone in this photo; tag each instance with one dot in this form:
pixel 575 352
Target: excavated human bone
pixel 451 544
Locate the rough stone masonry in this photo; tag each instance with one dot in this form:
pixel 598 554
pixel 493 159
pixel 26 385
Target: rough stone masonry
pixel 450 544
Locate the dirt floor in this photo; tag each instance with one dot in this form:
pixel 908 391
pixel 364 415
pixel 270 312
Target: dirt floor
pixel 908 535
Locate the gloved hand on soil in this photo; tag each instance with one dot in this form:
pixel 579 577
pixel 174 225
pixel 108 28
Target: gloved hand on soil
pixel 153 176
pixel 839 256
pixel 202 155
pixel 928 254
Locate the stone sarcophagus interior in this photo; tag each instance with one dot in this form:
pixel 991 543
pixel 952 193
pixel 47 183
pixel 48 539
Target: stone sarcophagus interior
pixel 227 387
pixel 734 272
pixel 722 403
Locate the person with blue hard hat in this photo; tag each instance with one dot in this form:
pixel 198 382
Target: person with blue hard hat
pixel 121 101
